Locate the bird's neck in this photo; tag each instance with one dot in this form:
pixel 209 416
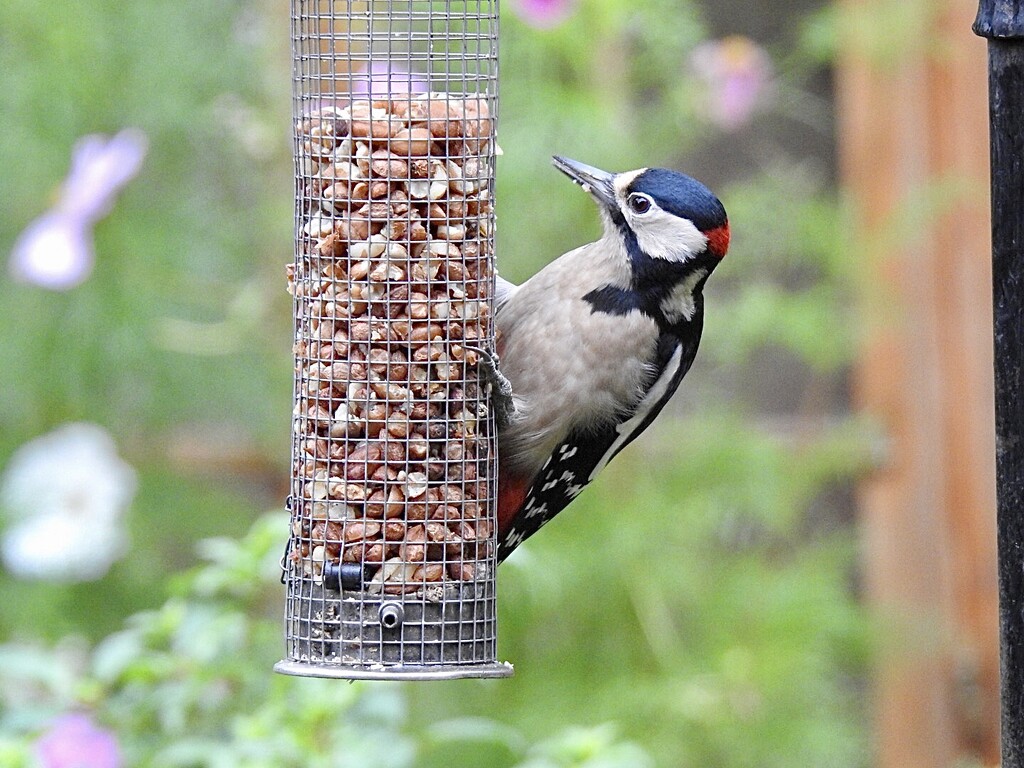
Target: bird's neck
pixel 669 292
pixel 672 305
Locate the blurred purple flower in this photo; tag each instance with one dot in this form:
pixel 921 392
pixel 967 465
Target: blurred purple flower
pixel 544 14
pixel 75 741
pixel 386 79
pixel 99 168
pixel 737 75
pixel 56 250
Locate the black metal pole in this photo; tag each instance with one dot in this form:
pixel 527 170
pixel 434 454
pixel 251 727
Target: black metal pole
pixel 1002 22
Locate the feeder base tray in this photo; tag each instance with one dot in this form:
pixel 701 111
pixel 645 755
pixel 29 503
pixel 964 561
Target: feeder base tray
pixel 394 672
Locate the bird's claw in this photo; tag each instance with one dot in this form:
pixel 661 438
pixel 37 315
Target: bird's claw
pixel 498 386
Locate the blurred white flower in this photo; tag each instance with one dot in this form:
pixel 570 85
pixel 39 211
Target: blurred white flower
pixel 56 250
pixel 737 75
pixel 64 496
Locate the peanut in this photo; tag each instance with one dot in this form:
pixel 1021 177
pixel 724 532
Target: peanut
pixel 392 292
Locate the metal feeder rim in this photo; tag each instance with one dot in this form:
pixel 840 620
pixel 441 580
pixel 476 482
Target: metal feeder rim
pixel 395 672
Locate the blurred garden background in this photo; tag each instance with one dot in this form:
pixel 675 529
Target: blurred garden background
pixel 819 492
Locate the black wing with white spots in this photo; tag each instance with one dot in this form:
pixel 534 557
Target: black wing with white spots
pixel 561 479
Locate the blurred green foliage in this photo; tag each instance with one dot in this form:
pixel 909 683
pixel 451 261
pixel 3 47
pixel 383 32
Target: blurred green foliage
pixel 193 248
pixel 695 607
pixel 187 684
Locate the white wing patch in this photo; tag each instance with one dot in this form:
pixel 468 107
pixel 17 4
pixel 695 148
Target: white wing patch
pixel 651 400
pixel 680 302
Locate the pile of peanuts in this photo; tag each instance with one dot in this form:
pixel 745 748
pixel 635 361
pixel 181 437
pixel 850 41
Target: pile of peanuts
pixel 392 287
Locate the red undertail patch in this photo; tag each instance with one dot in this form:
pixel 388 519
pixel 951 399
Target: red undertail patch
pixel 511 496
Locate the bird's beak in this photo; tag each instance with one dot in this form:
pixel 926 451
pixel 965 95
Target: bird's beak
pixel 593 180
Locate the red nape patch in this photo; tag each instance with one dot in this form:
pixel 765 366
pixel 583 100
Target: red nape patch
pixel 718 240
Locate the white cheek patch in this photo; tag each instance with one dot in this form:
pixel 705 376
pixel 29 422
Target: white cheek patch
pixel 664 236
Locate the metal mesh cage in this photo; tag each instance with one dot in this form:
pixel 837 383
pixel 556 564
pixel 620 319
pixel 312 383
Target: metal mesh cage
pixel 390 570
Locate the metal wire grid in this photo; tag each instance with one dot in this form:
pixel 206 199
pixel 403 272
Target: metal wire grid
pixel 391 563
pixel 345 47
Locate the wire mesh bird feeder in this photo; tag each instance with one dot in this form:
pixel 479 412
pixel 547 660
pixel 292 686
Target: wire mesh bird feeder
pixel 390 569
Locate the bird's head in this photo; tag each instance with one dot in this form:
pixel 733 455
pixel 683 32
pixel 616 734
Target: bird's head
pixel 666 214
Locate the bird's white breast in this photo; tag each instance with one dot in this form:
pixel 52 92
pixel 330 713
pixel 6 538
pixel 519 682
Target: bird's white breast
pixel 568 365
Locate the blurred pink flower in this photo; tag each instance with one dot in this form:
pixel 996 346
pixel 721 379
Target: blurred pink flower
pixel 56 250
pixel 737 75
pixel 544 14
pixel 75 741
pixel 386 79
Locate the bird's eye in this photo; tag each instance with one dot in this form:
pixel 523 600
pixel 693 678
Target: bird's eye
pixel 638 203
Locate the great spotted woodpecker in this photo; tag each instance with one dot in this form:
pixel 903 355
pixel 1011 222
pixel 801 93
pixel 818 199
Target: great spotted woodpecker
pixel 593 346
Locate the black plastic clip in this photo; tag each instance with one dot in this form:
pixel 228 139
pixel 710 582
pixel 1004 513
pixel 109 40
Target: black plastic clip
pixel 344 576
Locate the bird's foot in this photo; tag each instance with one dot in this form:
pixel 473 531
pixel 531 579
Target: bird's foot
pixel 498 386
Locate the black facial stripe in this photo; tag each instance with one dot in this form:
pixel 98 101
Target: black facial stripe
pixel 651 275
pixel 620 301
pixel 657 276
pixel 612 300
pixel 617 218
